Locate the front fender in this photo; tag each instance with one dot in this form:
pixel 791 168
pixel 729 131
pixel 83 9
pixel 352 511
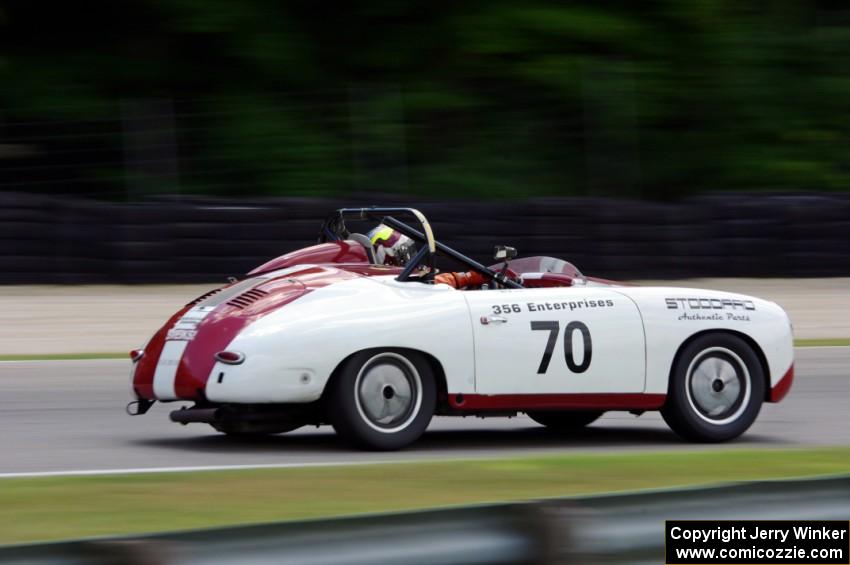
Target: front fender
pixel 673 315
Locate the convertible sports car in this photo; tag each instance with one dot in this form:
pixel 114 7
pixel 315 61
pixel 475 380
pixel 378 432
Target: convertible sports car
pixel 324 335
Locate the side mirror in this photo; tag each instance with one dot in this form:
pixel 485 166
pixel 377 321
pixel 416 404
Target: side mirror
pixel 504 253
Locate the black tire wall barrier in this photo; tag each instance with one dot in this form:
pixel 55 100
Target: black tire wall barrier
pixel 51 240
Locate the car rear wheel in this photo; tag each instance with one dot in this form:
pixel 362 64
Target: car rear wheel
pixel 567 421
pixel 382 399
pixel 716 389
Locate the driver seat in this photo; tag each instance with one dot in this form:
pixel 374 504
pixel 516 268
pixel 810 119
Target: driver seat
pixel 366 243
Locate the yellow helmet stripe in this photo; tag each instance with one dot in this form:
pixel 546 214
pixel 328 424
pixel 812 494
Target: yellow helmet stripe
pixel 383 233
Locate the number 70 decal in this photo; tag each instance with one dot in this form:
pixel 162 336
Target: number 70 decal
pixel 554 328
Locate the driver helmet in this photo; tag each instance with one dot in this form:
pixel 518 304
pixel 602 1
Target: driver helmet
pixel 391 247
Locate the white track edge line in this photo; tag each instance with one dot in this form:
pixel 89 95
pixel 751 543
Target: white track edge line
pixel 247 467
pixel 200 468
pixel 320 464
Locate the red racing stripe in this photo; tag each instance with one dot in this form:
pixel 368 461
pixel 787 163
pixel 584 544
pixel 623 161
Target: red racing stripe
pixel 146 367
pixel 224 323
pixel 216 331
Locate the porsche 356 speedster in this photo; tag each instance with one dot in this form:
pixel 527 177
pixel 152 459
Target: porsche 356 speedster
pixel 327 335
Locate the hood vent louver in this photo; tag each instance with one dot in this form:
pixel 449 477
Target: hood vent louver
pixel 204 297
pixel 247 298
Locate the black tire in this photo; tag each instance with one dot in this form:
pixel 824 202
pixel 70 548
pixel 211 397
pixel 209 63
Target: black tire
pixel 565 421
pixel 382 399
pixel 716 389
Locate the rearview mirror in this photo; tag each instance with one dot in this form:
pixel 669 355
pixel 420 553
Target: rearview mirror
pixel 504 253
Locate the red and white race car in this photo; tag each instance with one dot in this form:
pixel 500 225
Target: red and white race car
pixel 324 335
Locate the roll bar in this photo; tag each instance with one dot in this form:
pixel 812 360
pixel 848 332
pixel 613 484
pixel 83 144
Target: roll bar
pixel 337 220
pixel 334 228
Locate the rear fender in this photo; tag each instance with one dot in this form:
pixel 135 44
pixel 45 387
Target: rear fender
pixel 290 354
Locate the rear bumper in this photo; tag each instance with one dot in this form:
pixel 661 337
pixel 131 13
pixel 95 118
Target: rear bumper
pixel 780 389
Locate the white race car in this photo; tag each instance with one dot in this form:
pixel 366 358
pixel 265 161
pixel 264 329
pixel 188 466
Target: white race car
pixel 324 335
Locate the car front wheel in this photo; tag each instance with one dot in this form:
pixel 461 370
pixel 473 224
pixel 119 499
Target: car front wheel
pixel 716 389
pixel 382 399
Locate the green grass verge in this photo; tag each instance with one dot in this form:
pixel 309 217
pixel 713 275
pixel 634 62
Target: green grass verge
pixel 821 342
pixel 44 508
pixel 76 356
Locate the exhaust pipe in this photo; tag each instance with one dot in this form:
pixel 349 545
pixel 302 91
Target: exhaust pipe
pixel 195 415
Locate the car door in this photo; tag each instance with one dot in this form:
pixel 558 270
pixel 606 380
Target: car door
pixel 556 340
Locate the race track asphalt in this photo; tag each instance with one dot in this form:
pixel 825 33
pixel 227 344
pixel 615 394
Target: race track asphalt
pixel 69 416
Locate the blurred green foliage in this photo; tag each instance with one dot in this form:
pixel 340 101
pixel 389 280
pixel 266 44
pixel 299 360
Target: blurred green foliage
pixel 480 98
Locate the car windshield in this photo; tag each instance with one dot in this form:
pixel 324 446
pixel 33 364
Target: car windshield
pixel 541 264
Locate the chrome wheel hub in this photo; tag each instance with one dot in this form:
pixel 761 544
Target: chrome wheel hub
pixel 387 392
pixel 718 385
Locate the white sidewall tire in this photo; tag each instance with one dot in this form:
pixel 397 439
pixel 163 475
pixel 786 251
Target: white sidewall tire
pixel 743 374
pixel 416 389
pixel 348 413
pixel 681 410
